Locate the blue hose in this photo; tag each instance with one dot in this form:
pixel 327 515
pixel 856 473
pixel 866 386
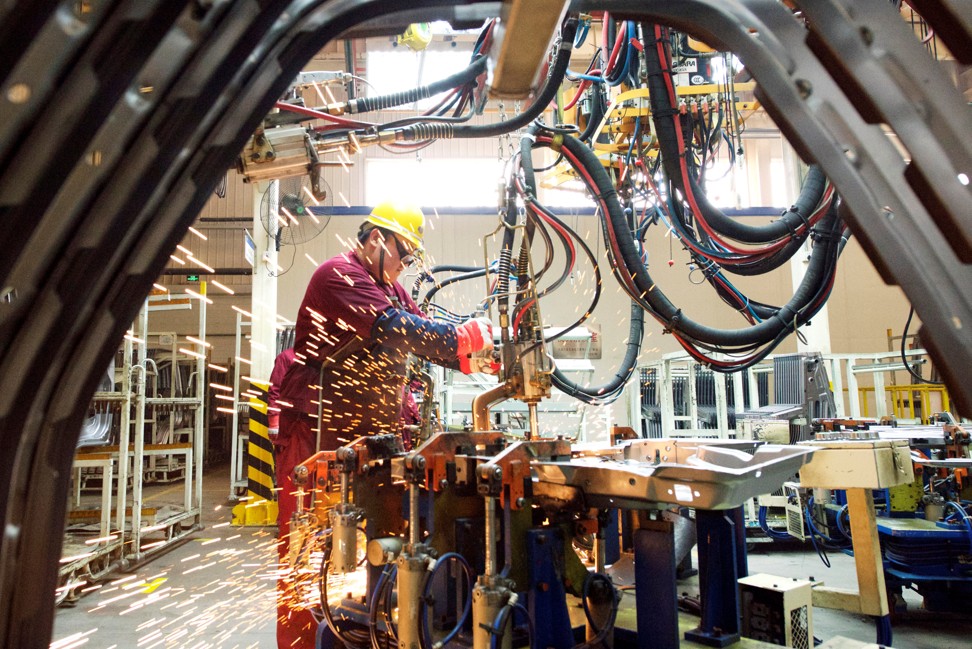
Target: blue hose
pixel 630 54
pixel 599 633
pixel 965 518
pixel 384 580
pixel 426 598
pixel 502 618
pixel 840 526
pixel 776 535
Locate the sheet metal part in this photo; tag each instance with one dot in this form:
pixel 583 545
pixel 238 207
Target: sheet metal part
pixel 713 478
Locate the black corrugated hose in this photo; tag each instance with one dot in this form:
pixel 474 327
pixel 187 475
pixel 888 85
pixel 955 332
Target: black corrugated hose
pixel 540 103
pixel 461 78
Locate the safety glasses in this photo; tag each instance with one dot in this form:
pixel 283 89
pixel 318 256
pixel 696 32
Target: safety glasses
pixel 405 255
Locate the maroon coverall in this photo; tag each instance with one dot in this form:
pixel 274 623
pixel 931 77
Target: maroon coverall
pixel 354 327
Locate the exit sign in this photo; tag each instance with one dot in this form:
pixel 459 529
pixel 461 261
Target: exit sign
pixel 192 278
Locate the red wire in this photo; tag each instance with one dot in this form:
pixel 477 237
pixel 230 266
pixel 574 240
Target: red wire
pixel 519 316
pixel 561 230
pixel 618 42
pixel 580 91
pixel 756 253
pixel 310 112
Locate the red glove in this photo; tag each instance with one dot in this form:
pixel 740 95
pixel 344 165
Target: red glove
pixel 479 362
pixel 474 335
pixel 475 343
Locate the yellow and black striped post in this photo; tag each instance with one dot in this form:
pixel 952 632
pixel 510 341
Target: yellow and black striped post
pixel 260 505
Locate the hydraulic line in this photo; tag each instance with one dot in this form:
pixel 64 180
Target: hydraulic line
pixel 427 599
pixel 479 272
pixel 598 106
pixel 461 78
pixel 622 242
pixel 602 632
pixel 667 128
pixel 610 391
pixel 540 103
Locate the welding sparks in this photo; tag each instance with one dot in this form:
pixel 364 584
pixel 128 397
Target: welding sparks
pixel 218 368
pixel 200 263
pixel 198 233
pixel 161 288
pixel 317 88
pixel 222 287
pixel 198 296
pixel 242 312
pixel 289 216
pixel 193 339
pixel 310 196
pixel 73 640
pixel 177 260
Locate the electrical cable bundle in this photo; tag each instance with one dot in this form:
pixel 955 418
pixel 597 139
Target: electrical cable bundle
pixel 629 269
pixel 543 98
pixel 540 218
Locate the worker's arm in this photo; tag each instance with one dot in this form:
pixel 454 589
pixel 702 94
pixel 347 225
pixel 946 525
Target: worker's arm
pixel 417 335
pixel 444 344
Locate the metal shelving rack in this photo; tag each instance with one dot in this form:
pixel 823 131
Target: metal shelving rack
pixel 137 532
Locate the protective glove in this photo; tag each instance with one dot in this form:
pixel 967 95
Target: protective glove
pixel 481 361
pixel 474 335
pixel 475 345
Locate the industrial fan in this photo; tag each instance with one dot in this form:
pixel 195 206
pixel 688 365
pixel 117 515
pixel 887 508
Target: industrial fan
pixel 300 215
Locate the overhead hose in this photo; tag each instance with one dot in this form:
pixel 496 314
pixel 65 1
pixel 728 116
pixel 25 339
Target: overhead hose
pixel 644 290
pixel 369 104
pixel 664 116
pixel 540 103
pixel 506 257
pixel 610 391
pixel 428 275
pixel 429 131
pixel 479 272
pixel 598 106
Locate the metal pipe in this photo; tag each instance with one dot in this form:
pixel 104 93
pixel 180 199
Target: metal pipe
pixel 534 431
pixel 344 491
pixel 141 390
pixel 413 515
pixel 484 401
pixel 599 552
pixel 199 421
pixel 490 537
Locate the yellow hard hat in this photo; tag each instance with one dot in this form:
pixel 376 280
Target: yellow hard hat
pixel 402 219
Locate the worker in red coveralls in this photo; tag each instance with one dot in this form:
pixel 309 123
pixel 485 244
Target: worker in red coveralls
pixel 280 366
pixel 354 331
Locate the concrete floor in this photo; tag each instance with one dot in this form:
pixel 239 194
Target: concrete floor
pixel 217 590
